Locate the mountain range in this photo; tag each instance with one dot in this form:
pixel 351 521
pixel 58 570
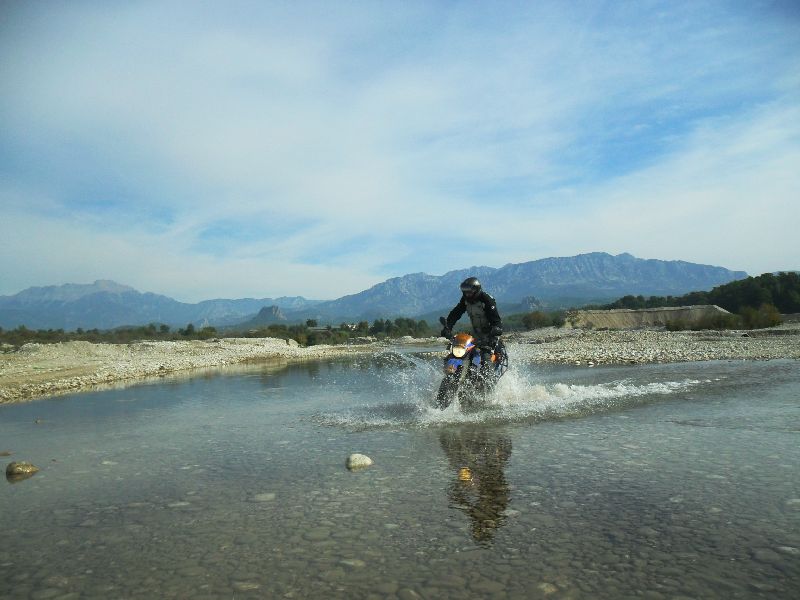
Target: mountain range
pixel 547 283
pixel 106 304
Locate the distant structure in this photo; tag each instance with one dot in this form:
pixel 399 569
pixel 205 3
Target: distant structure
pixel 627 318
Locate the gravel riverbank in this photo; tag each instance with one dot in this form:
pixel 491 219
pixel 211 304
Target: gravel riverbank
pixel 587 347
pixel 38 370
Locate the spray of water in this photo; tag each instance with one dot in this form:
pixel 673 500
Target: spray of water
pixel 410 385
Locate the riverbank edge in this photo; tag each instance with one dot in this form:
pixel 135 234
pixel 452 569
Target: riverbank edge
pixel 38 371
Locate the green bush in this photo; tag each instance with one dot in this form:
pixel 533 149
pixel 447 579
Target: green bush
pixel 765 316
pixel 718 322
pixel 535 320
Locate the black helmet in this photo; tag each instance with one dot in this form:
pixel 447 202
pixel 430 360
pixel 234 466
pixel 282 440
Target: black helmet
pixel 471 287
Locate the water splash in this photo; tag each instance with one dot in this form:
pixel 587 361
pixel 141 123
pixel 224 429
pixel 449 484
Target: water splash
pixel 409 387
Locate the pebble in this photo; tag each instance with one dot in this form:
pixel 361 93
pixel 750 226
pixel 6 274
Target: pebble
pixel 547 588
pixel 317 534
pixel 354 563
pixel 264 497
pixel 245 586
pixel 46 594
pixel 21 467
pixel 358 461
pixel 766 555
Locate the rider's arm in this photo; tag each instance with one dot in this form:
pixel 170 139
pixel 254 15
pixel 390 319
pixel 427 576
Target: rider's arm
pixel 492 314
pixel 456 313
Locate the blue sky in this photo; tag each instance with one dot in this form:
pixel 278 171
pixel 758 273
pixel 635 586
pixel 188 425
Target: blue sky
pixel 231 149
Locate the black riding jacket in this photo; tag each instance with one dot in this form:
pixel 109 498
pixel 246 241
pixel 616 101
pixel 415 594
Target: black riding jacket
pixel 483 315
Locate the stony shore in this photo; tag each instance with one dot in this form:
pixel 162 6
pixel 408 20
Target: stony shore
pixel 38 370
pixel 590 347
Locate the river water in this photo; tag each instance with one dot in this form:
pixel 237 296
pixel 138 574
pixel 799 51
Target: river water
pixel 659 481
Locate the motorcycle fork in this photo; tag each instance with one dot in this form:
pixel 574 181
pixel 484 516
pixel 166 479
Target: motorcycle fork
pixel 462 374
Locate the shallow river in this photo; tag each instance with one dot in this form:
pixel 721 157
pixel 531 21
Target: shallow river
pixel 661 481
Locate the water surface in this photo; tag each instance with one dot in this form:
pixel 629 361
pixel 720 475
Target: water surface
pixel 657 481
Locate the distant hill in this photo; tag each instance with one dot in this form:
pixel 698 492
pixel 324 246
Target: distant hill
pixel 269 315
pixel 105 304
pixel 547 283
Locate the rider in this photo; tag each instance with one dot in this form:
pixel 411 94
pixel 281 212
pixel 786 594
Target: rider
pixel 482 310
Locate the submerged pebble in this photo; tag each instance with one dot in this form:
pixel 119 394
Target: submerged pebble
pixel 264 497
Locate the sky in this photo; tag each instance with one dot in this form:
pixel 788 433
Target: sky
pixel 261 149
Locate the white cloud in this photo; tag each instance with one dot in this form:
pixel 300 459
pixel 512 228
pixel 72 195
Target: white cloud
pixel 727 197
pixel 362 140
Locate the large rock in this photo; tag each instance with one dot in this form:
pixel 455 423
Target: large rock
pixel 358 461
pixel 17 471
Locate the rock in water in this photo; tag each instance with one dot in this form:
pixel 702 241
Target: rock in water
pixel 17 471
pixel 358 461
pixel 21 468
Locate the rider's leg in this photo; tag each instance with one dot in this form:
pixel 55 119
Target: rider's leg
pixel 487 366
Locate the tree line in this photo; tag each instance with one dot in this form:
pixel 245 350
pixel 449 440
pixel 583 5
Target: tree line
pixel 308 334
pixel 121 335
pixel 754 301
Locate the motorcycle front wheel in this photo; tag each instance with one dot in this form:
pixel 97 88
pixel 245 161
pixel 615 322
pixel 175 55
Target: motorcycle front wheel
pixel 448 390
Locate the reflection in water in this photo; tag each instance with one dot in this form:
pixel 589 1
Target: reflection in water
pixel 478 458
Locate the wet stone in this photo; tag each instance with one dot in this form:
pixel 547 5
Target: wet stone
pixel 46 594
pixel 317 534
pixel 192 571
pixel 451 581
pixel 388 587
pixel 333 574
pixel 485 586
pixel 245 586
pixel 264 497
pixel 354 563
pixel 766 555
pixel 547 588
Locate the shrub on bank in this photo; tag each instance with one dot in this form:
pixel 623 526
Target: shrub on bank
pixel 533 320
pixel 748 318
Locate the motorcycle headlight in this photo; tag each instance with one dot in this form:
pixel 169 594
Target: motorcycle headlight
pixel 459 351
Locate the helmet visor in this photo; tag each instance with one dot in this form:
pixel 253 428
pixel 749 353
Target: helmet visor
pixel 469 291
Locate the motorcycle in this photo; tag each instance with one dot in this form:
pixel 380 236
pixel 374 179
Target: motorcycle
pixel 463 377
